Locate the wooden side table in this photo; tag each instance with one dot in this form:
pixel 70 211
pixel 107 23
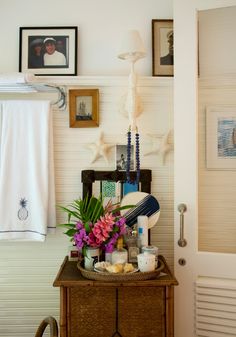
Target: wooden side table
pixel 115 309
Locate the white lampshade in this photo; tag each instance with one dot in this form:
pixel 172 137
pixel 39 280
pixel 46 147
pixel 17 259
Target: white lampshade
pixel 132 47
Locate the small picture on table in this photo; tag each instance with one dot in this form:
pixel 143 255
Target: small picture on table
pixel 121 157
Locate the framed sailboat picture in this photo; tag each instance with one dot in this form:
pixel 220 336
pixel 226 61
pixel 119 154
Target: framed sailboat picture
pixel 84 108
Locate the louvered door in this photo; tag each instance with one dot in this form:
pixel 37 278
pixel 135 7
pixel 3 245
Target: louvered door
pixel 205 297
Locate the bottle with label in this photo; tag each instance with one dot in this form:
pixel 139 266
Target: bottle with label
pixel 143 229
pixel 73 253
pixel 134 245
pixel 120 254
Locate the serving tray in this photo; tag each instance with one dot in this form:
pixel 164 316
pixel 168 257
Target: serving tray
pixel 110 277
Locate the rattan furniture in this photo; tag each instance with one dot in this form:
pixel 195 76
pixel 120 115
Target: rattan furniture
pixel 91 308
pixel 47 321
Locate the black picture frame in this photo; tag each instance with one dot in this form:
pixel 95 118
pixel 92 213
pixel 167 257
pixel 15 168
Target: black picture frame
pixel 58 53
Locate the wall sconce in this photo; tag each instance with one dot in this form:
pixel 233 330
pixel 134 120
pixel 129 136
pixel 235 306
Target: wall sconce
pixel 132 50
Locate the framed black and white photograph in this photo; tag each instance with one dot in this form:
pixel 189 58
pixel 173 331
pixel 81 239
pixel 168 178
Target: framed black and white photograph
pixel 121 157
pixel 162 48
pixel 48 50
pixel 221 137
pixel 84 108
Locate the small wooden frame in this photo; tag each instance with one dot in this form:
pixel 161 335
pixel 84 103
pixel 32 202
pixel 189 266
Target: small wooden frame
pixel 83 107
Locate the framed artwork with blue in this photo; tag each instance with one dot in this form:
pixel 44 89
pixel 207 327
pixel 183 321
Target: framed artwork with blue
pixel 221 137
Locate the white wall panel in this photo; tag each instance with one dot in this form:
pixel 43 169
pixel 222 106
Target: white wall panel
pixel 101 29
pixel 216 31
pixel 27 269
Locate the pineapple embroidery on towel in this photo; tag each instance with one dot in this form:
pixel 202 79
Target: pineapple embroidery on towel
pixel 23 212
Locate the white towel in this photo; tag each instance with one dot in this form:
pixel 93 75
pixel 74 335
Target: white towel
pixel 13 78
pixel 27 192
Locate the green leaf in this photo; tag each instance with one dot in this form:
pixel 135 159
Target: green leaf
pixel 70 225
pixel 121 208
pixel 97 210
pixel 69 211
pixel 84 251
pixel 87 227
pixel 115 229
pixel 70 232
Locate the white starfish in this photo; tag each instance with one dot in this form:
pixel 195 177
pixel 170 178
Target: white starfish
pixel 100 149
pixel 154 144
pixel 160 145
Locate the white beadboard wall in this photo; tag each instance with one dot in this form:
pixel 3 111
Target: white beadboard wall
pixel 27 269
pixel 217 188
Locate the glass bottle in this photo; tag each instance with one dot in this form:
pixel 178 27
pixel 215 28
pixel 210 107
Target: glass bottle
pixel 73 253
pixel 134 245
pixel 120 254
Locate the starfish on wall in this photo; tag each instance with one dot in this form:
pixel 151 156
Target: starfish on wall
pixel 100 149
pixel 160 145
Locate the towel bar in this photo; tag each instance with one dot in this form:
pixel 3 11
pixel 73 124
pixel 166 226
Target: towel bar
pixel 26 88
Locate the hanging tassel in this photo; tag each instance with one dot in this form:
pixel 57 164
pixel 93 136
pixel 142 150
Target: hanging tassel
pixel 137 152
